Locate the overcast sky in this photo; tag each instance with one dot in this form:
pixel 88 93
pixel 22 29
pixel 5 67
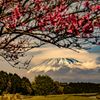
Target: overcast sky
pixel 89 71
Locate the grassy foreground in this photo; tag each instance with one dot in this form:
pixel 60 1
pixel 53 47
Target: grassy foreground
pixel 83 96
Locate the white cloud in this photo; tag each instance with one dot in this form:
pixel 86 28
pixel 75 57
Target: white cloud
pixel 67 75
pixel 89 64
pixel 55 52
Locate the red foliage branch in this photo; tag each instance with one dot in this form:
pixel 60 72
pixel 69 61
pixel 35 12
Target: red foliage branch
pixel 63 23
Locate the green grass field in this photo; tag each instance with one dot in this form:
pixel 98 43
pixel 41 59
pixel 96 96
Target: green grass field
pixel 83 96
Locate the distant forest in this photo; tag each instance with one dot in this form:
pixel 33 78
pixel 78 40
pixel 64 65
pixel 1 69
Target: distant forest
pixel 42 85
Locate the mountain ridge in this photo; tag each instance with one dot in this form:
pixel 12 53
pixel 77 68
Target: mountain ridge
pixel 55 64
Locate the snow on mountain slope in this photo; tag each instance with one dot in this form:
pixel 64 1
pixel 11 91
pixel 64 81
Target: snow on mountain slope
pixel 55 64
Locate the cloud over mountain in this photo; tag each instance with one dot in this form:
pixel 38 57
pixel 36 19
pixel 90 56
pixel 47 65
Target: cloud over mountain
pixel 58 63
pixel 69 69
pixel 55 64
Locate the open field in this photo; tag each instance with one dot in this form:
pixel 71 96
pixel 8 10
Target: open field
pixel 83 96
pixel 80 96
pixel 62 98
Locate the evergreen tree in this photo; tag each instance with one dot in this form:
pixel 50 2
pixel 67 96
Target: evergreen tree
pixel 26 86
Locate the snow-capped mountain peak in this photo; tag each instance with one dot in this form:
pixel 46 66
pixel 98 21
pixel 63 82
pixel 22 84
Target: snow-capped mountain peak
pixel 55 64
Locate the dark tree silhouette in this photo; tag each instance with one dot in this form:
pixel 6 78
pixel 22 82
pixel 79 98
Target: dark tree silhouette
pixel 43 85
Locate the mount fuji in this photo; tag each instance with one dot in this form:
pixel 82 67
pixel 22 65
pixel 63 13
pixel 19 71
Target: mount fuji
pixel 55 64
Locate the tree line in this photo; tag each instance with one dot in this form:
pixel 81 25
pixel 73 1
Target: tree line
pixel 42 85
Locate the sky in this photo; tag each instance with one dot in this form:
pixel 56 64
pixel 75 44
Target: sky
pixel 89 71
